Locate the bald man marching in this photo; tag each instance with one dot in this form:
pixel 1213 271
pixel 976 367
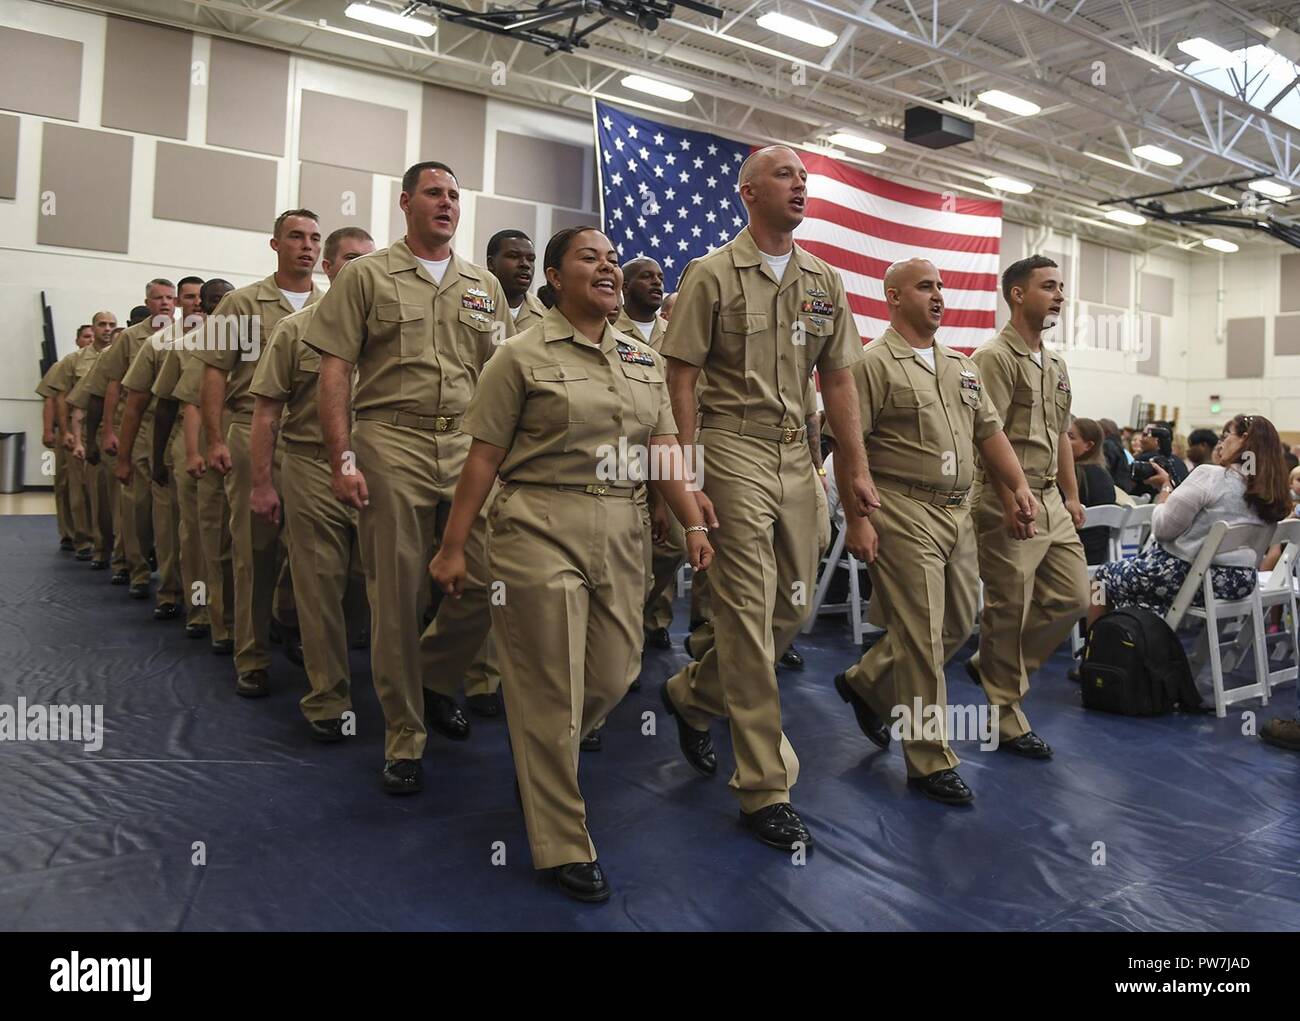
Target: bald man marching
pixel 757 315
pixel 924 412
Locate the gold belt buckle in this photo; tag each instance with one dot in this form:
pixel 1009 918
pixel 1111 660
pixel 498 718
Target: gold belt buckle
pixel 442 423
pixel 955 499
pixel 788 434
pixel 596 490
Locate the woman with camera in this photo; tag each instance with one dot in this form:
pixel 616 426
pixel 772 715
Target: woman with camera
pixel 1156 441
pixel 1247 484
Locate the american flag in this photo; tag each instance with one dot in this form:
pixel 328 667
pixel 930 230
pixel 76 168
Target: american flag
pixel 671 194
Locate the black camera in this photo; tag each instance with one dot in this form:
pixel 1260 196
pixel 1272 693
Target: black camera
pixel 1143 470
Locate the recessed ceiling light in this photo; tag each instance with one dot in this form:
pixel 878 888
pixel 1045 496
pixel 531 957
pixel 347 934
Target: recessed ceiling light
pixel 1220 245
pixel 389 19
pixel 1009 184
pixel 1157 155
pixel 1212 53
pixel 654 87
pixel 1270 188
pixel 784 25
pixel 1012 104
pixel 1124 216
pixel 856 142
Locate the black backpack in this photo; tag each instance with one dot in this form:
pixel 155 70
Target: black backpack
pixel 1134 665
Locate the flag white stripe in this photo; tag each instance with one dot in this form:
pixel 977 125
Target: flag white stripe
pixel 953 298
pixel 962 336
pixel 831 233
pixel 901 212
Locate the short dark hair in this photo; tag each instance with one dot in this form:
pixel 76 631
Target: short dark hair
pixel 559 244
pixel 211 293
pixel 501 237
pixel 1202 437
pixel 83 326
pixel 412 176
pixel 546 295
pixel 138 314
pixel 279 220
pixel 1017 274
pixel 188 280
pixel 336 238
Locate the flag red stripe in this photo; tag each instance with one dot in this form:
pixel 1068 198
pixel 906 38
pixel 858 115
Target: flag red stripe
pixel 953 317
pixel 843 259
pixel 863 181
pixel 821 209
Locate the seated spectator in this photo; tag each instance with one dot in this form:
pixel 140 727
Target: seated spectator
pixel 1157 449
pixel 1291 460
pixel 1178 446
pixel 1096 487
pixel 1280 731
pixel 1200 447
pixel 1117 461
pixel 1134 446
pixel 1224 491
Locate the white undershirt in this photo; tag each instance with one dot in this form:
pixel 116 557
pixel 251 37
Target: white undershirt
pixel 646 328
pixel 436 269
pixel 296 298
pixel 926 354
pixel 514 312
pixel 777 263
pixel 1037 356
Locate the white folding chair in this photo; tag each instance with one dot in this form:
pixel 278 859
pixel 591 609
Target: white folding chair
pixel 1224 538
pixel 1115 518
pixel 835 559
pixel 1137 529
pixel 1278 587
pixel 684 579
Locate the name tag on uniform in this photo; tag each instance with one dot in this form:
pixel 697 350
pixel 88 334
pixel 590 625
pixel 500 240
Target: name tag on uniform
pixel 817 306
pixel 632 356
pixel 477 301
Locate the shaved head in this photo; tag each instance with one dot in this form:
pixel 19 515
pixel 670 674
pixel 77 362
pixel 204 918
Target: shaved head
pixel 773 185
pixel 903 272
pixel 759 158
pixel 914 294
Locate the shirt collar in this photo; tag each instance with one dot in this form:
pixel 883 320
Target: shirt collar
pixel 556 327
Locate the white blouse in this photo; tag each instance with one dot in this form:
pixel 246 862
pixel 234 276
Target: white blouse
pixel 1210 493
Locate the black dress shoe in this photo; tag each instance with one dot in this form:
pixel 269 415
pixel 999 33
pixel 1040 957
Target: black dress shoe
pixel 84 554
pixel 592 742
pixel 119 577
pixel 1029 745
pixel 403 776
pixel 66 546
pixel 486 706
pixel 659 638
pixel 293 647
pixel 223 647
pixel 99 565
pixel 326 731
pixel 584 881
pixel 254 684
pixel 196 630
pixel 791 659
pixel 167 611
pixel 696 745
pixel 873 726
pixel 778 826
pixel 945 786
pixel 444 716
pixel 635 685
pixel 686 644
pixel 139 591
pixel 973 674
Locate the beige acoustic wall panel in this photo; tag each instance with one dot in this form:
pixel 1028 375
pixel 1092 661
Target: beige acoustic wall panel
pixel 562 219
pixel 1157 294
pixel 40 74
pixel 1286 335
pixel 349 133
pixel 1150 345
pixel 453 130
pixel 1289 289
pixel 8 157
pixel 1245 354
pixel 541 170
pixel 1119 278
pixel 1092 272
pixel 341 198
pixel 222 189
pixel 248 96
pixel 146 78
pixel 492 215
pixel 85 199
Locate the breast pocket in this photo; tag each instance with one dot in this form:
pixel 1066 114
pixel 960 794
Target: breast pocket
pixel 1025 402
pixel 476 335
pixel 1062 411
pixel 748 340
pixel 403 328
pixel 910 408
pixel 646 383
pixel 308 367
pixel 556 393
pixel 813 333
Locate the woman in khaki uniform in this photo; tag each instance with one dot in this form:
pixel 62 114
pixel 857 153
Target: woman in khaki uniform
pixel 565 534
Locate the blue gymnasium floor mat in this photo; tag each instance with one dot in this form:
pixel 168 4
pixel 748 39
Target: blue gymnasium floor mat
pixel 1200 824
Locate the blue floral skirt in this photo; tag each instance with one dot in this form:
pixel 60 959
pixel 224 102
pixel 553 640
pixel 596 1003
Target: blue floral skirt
pixel 1152 579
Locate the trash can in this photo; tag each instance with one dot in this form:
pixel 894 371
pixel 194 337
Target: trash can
pixel 13 449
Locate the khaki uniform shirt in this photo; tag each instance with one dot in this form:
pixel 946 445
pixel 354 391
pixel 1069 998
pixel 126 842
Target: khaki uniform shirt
pixel 60 377
pixel 920 426
pixel 624 324
pixel 261 306
pixel 1034 402
pixel 530 312
pixel 558 404
pixel 418 346
pixel 288 372
pixel 82 371
pixel 757 338
pixel 116 360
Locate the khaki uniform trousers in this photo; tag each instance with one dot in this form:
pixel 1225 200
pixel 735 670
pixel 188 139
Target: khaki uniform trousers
pixel 167 533
pixel 411 475
pixel 193 565
pixel 80 477
pixel 326 565
pixel 1034 591
pixel 137 507
pixel 661 570
pixel 62 491
pixel 256 558
pixel 762 578
pixel 568 638
pixel 484 675
pixel 218 562
pixel 925 583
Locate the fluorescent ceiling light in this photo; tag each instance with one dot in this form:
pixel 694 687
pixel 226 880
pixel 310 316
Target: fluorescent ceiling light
pixel 1012 104
pixel 1152 58
pixel 1155 154
pixel 856 142
pixel 1211 53
pixel 1219 245
pixel 389 19
pixel 654 87
pixel 782 24
pixel 1009 184
pixel 1125 217
pixel 1106 159
pixel 969 112
pixel 1270 188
